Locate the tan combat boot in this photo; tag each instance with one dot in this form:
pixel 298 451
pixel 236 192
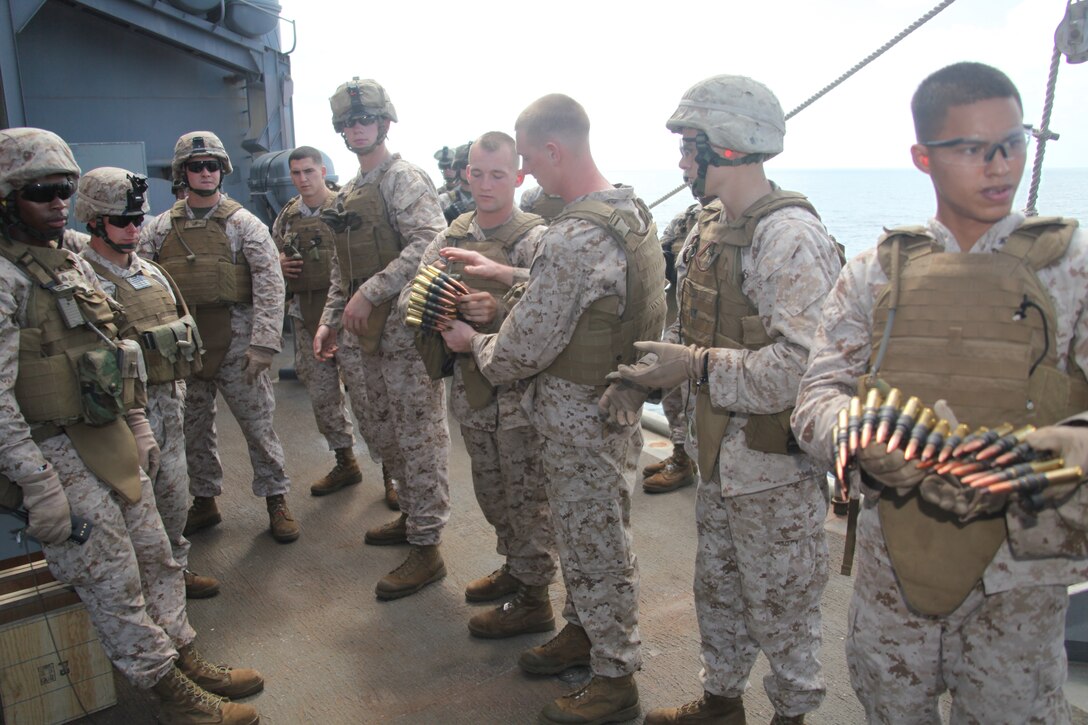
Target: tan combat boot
pixel 345 473
pixel 677 472
pixel 394 532
pixel 280 521
pixel 216 679
pixel 569 648
pixel 203 514
pixel 707 709
pixel 654 467
pixel 392 500
pixel 423 566
pixel 529 611
pixel 200 587
pixel 604 699
pixel 495 585
pixel 186 703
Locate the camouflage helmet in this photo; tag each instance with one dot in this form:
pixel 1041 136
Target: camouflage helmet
pixel 31 153
pixel 107 191
pixel 734 112
pixel 359 98
pixel 444 157
pixel 198 143
pixel 460 156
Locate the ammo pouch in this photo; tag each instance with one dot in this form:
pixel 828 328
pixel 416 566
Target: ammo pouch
pixel 104 391
pixel 173 350
pixel 437 360
pixel 371 340
pixel 479 392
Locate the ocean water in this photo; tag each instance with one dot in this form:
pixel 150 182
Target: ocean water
pixel 856 203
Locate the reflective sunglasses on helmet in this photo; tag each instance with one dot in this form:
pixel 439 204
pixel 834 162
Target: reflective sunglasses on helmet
pixel 207 165
pixel 122 220
pixel 45 193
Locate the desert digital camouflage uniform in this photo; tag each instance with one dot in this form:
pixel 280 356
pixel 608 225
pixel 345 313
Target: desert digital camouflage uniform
pixel 125 573
pixel 761 563
pixel 504 448
pixel 74 241
pixel 321 378
pixel 406 409
pixel 1000 653
pixel 166 415
pixel 256 324
pixel 679 402
pixel 535 201
pixel 589 463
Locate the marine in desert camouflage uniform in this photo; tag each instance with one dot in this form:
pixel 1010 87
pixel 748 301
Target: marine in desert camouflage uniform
pixel 108 195
pixel 491 249
pixel 588 298
pixel 970 597
pixel 124 572
pixel 235 287
pixel 751 282
pixel 384 218
pixel 305 245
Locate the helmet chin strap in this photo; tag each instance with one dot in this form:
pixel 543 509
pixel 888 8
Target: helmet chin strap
pixel 383 131
pixel 706 157
pixel 9 213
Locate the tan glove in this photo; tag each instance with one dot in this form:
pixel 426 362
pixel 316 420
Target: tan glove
pixel 45 501
pixel 966 502
pixel 258 359
pixel 666 365
pixel 889 469
pixel 1070 442
pixel 622 401
pixel 146 446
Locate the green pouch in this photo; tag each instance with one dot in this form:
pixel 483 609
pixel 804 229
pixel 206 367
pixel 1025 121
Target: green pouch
pixel 100 386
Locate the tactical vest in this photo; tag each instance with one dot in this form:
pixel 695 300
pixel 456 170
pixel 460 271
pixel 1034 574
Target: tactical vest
pixel 478 390
pixel 366 250
pixel 171 344
pixel 548 207
pixel 196 254
pixel 70 379
pixel 604 339
pixel 715 312
pixel 310 238
pixel 977 330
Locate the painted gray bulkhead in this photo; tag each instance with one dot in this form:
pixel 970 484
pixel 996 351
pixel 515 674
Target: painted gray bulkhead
pixel 101 71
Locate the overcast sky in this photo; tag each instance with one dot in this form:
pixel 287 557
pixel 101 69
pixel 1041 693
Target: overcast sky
pixel 457 69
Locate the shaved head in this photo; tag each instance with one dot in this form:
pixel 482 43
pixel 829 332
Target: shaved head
pixel 555 117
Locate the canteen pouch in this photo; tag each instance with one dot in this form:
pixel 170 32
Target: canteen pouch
pixel 101 388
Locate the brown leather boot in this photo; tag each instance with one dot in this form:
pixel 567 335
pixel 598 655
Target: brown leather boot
pixel 494 586
pixel 200 587
pixel 345 473
pixel 654 467
pixel 677 472
pixel 392 500
pixel 280 521
pixel 216 679
pixel 569 648
pixel 529 611
pixel 423 566
pixel 707 709
pixel 604 699
pixel 186 703
pixel 388 534
pixel 787 719
pixel 203 514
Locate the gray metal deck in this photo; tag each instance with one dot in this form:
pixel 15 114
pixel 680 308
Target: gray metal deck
pixel 305 613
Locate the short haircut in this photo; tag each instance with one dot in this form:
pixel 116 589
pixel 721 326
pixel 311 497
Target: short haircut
pixel 555 116
pixel 956 85
pixel 306 152
pixel 492 141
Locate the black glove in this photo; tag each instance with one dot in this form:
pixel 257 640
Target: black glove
pixel 341 221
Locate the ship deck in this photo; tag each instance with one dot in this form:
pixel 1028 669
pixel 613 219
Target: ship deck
pixel 305 613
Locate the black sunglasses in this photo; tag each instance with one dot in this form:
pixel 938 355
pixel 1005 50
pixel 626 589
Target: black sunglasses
pixel 197 166
pixel 45 193
pixel 121 221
